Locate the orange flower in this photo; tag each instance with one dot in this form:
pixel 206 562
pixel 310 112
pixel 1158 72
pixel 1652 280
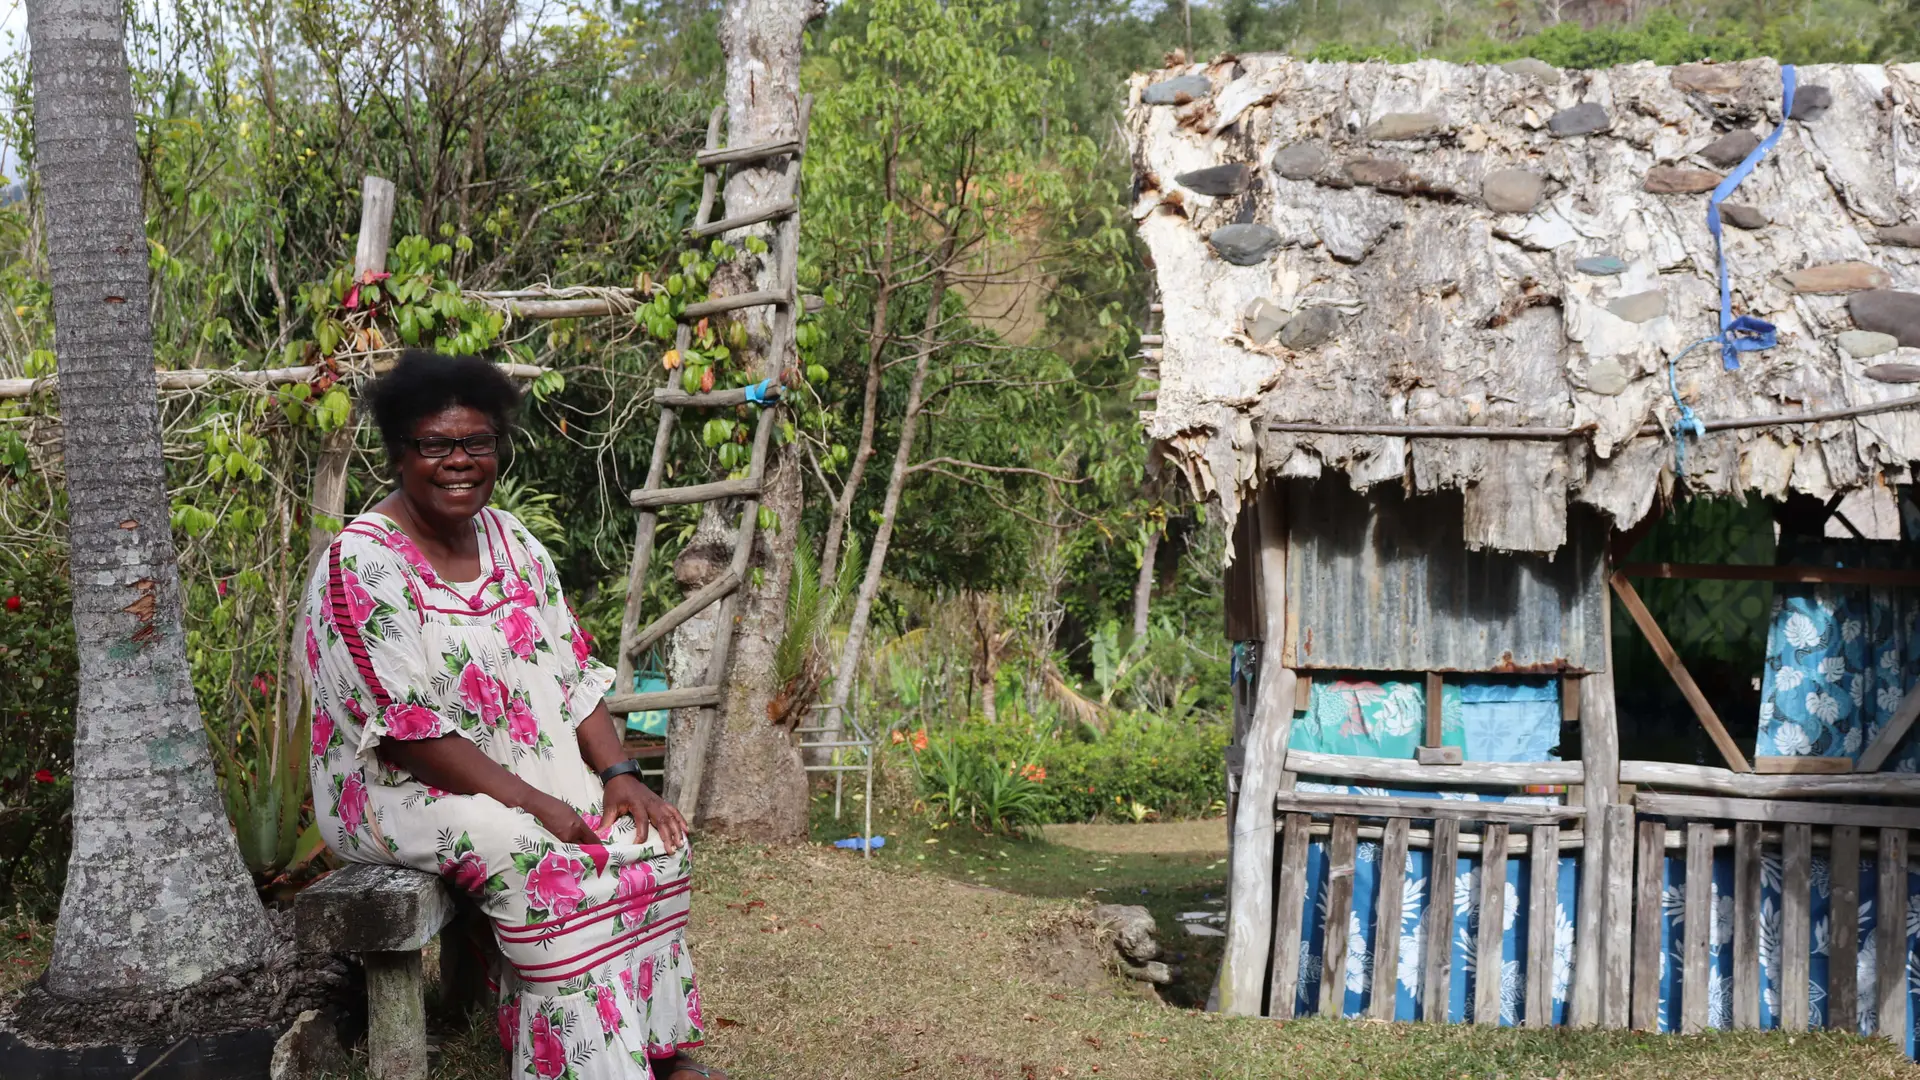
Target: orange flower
pixel 1035 773
pixel 920 739
pixel 898 738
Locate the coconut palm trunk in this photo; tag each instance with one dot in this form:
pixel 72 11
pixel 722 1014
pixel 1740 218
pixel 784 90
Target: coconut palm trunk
pixel 156 898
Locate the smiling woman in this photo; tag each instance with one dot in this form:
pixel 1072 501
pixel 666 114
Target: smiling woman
pixel 459 729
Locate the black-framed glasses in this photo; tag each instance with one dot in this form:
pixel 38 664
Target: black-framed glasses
pixel 486 444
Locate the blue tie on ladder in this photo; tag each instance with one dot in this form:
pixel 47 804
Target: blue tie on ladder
pixel 1737 335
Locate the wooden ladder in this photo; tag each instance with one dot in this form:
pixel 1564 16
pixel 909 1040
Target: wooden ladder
pixel 683 786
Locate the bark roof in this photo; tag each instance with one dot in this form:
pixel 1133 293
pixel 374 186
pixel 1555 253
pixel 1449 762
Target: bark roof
pixel 1433 308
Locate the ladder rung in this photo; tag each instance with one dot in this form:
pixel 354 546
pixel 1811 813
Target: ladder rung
pixel 737 155
pixel 1151 339
pixel 684 610
pixel 1151 395
pixel 779 209
pixel 683 697
pixel 714 399
pixel 720 489
pixel 805 745
pixel 696 312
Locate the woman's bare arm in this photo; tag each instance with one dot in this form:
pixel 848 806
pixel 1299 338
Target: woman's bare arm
pixel 451 763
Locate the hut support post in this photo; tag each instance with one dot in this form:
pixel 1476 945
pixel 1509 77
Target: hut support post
pixel 1250 909
pixel 1600 787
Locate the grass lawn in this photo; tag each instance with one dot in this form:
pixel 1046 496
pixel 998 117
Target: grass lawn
pixel 943 960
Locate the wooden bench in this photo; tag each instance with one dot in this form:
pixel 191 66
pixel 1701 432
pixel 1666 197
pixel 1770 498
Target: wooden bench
pixel 386 915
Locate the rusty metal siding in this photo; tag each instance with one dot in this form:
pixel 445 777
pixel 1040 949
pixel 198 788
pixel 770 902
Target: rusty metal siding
pixel 1380 582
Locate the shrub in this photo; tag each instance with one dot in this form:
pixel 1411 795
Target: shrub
pixel 36 730
pixel 1025 771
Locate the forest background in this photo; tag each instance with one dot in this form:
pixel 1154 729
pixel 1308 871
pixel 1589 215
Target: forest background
pixel 1048 639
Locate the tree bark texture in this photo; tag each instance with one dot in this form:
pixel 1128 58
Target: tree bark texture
pixel 1143 585
pixel 754 784
pixel 157 898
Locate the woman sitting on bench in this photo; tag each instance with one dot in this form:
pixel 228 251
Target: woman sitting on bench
pixel 458 728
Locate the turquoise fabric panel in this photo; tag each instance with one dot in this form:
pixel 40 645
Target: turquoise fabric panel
pixel 1489 718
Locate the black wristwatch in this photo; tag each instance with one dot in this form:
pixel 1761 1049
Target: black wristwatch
pixel 628 767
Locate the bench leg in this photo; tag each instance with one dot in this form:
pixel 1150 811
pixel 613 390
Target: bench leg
pixel 396 1015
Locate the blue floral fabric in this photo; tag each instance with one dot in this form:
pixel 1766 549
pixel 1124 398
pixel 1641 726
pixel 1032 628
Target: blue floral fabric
pixel 1456 910
pixel 1838 661
pixel 1819 975
pixel 1491 720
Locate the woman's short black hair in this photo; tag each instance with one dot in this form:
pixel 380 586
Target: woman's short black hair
pixel 423 383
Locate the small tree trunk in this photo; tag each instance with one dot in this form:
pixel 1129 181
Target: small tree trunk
pixel 1143 585
pixel 753 783
pixel 156 898
pixel 869 402
pixel 890 508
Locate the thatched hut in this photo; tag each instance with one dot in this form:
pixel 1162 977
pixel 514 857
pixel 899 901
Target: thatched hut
pixel 1474 358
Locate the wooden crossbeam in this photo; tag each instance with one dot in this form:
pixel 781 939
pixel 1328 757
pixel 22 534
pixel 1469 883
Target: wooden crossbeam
pixel 1663 648
pixel 1882 745
pixel 762 298
pixel 773 210
pixel 647 499
pixel 684 610
pixel 739 155
pixel 1810 575
pixel 680 697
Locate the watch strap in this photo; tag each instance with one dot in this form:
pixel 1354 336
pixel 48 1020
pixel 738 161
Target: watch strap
pixel 629 767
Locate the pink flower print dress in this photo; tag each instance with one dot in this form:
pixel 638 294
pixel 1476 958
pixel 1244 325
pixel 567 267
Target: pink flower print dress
pixel 598 979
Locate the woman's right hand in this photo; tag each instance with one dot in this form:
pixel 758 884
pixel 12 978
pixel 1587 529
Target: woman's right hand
pixel 561 820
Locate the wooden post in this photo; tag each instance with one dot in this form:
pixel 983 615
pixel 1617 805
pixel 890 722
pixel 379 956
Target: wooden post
pixel 1616 918
pixel 1436 979
pixel 1543 851
pixel 1697 915
pixel 1746 926
pixel 1487 943
pixel 1890 936
pixel 1386 921
pixel 396 1016
pixel 1288 912
pixel 1333 954
pixel 1650 864
pixel 1796 864
pixel 1250 911
pixel 1600 783
pixel 1432 753
pixel 1843 935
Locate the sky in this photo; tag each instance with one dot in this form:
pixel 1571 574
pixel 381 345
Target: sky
pixel 13 35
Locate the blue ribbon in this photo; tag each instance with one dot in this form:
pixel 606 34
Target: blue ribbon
pixel 1746 333
pixel 764 392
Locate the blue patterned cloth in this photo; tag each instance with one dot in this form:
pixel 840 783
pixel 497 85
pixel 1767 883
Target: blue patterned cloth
pixel 1838 661
pixel 1491 720
pixel 1819 976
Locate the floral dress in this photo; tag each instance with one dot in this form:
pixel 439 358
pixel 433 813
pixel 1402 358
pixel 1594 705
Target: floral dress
pixel 597 979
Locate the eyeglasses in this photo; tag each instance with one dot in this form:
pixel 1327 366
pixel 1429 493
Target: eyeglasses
pixel 438 446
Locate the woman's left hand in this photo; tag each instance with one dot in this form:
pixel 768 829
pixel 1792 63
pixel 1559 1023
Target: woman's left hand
pixel 626 796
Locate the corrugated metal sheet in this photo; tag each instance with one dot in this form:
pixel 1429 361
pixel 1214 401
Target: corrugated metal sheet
pixel 1380 582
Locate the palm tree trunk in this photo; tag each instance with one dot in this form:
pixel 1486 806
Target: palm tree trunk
pixel 1143 585
pixel 157 898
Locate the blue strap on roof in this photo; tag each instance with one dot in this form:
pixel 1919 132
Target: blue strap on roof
pixel 1737 335
pixel 1746 333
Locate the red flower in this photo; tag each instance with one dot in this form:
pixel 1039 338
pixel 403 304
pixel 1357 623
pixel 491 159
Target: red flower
pixel 322 733
pixel 44 776
pixel 549 1052
pixel 608 1009
pixel 13 603
pixel 412 722
pixel 920 739
pixel 468 873
pixel 521 634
